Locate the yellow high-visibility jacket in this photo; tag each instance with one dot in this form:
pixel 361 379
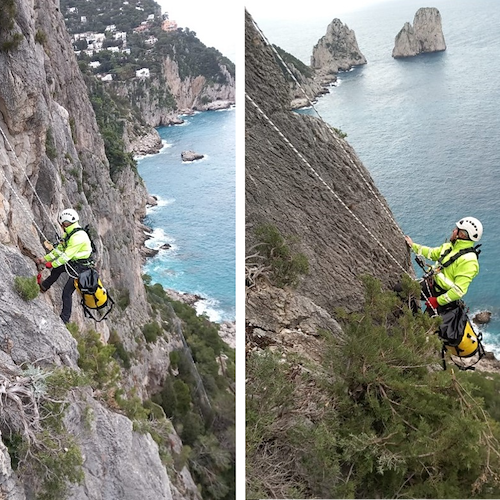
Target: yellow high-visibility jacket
pixel 456 278
pixel 74 246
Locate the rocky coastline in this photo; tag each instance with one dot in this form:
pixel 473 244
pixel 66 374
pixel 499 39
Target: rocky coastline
pixel 227 329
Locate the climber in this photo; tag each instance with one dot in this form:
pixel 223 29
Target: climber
pixel 73 255
pixel 457 265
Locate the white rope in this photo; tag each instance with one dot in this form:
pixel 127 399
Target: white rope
pixel 334 135
pixel 22 204
pixel 337 197
pixel 73 273
pixel 327 186
pixel 29 182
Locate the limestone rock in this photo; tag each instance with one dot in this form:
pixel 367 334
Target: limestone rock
pixel 337 51
pixel 218 105
pixel 118 462
pixel 33 333
pixel 191 156
pixel 227 332
pixel 9 488
pixel 148 143
pixel 426 34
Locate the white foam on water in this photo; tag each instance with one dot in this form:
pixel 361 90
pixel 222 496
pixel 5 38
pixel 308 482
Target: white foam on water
pixel 158 238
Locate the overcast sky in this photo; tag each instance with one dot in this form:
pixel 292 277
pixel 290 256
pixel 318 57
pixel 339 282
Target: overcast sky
pixel 281 9
pixel 217 24
pixel 220 23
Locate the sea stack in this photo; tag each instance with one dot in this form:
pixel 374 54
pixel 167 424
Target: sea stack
pixel 426 34
pixel 337 51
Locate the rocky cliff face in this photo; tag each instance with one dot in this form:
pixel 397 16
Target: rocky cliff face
pixel 196 93
pixel 337 51
pixel 426 35
pixel 51 157
pixel 281 190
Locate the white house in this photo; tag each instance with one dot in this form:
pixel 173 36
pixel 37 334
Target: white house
pixel 83 19
pixel 151 40
pixel 142 73
pixel 94 64
pixel 151 17
pixel 107 78
pixel 111 27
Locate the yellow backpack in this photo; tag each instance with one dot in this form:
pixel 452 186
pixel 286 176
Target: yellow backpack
pixel 94 295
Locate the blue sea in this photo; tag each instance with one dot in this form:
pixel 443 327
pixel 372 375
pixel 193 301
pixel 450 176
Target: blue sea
pixel 427 128
pixel 195 214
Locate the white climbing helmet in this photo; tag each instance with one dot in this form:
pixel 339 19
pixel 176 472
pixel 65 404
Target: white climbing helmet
pixel 473 227
pixel 68 215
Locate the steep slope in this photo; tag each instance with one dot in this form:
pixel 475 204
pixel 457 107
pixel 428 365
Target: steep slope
pixel 52 156
pixel 282 190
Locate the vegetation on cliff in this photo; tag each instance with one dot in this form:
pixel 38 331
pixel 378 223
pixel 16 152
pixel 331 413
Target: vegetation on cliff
pixel 378 418
pixel 198 395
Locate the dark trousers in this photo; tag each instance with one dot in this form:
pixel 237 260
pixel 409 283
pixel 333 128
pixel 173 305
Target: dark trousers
pixel 68 289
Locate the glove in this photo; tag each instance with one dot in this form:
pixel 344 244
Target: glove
pixel 432 302
pixel 48 265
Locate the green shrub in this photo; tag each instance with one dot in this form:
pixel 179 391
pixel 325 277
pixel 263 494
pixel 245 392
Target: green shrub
pixel 151 331
pixel 11 44
pixel 50 145
pixel 48 446
pixel 120 351
pixel 286 266
pixel 96 360
pixel 123 298
pixel 378 417
pixel 26 287
pixel 174 359
pixel 40 37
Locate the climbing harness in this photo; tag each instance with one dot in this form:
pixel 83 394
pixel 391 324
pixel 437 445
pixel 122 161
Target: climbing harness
pixel 459 254
pixel 87 230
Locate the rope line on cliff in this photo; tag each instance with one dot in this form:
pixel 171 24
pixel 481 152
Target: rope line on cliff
pixel 327 186
pixel 30 184
pixel 27 211
pixel 18 198
pixel 337 139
